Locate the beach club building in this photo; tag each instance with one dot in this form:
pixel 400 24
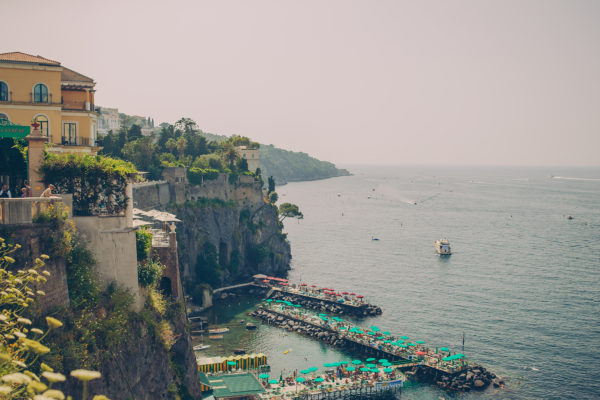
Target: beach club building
pixel 60 100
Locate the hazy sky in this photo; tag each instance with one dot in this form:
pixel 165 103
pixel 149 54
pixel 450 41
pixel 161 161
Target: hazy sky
pixel 372 81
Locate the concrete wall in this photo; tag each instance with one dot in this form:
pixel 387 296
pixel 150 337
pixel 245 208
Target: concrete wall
pixel 149 195
pixel 245 192
pixel 23 210
pixel 113 245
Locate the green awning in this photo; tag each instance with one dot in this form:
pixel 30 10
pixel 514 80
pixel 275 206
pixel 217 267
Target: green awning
pixel 14 131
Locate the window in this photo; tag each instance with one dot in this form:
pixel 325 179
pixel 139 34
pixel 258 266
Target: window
pixel 43 121
pixel 69 133
pixel 40 93
pixel 4 117
pixel 3 91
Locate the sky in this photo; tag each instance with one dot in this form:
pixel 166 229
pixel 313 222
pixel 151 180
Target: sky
pixel 504 82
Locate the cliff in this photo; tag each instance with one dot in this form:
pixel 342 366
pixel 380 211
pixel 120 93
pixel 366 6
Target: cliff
pixel 221 243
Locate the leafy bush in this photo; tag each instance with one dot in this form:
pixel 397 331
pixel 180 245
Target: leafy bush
pixel 143 243
pixel 197 175
pixel 150 272
pixel 94 181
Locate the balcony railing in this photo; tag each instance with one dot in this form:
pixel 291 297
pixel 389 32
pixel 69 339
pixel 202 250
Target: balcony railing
pixel 77 141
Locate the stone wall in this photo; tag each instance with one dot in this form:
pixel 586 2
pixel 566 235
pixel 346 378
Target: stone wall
pixel 149 195
pixel 33 239
pixel 164 246
pixel 245 192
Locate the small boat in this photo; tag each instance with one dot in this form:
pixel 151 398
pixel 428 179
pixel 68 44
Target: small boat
pixel 569 217
pixel 442 247
pixel 250 326
pixel 285 352
pixel 201 346
pixel 239 351
pixel 215 337
pixel 218 330
pixel 374 238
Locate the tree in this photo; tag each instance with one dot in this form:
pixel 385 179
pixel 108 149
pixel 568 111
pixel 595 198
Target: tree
pixel 186 125
pixel 230 155
pixel 271 183
pixel 273 197
pixel 241 164
pixel 289 210
pixel 135 132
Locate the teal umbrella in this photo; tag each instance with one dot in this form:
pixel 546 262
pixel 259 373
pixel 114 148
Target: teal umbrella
pixel 420 342
pixel 363 369
pixel 380 337
pixel 232 363
pixel 297 305
pixel 313 369
pixel 374 370
pixel 305 371
pixel 444 349
pixel 371 333
pixel 400 341
pixel 343 328
pixel 273 381
pixel 322 315
pixel 387 341
pixel 361 332
pixel 402 345
pixel 388 370
pixel 447 359
pixel 386 333
pixel 319 379
pixel 404 337
pixel 300 379
pixel 327 365
pixel 386 364
pixel 263 376
pixel 371 365
pixel 344 363
pixel 383 360
pixel 350 369
pixel 370 359
pixel 374 328
pixel 412 344
pixel 269 300
pixel 356 362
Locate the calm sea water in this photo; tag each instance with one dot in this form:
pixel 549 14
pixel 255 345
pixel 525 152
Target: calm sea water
pixel 522 284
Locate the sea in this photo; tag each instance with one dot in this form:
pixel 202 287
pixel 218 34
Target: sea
pixel 522 286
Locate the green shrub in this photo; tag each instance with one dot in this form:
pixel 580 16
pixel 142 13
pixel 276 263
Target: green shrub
pixel 197 175
pixel 150 272
pixel 143 243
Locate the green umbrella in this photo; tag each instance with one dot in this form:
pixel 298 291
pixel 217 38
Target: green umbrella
pixel 269 300
pixel 383 360
pixel 361 332
pixel 305 371
pixel 297 305
pixel 404 337
pixel 263 376
pixel 388 370
pixel 380 337
pixel 444 349
pixel 402 345
pixel 322 315
pixel 343 328
pixel 386 364
pixel 327 365
pixel 363 369
pixel 370 359
pixel 447 359
pixel 350 369
pixel 344 363
pixel 420 342
pixel 300 379
pixel 374 370
pixel 371 365
pixel 319 379
pixel 335 364
pixel 375 329
pixel 400 341
pixel 387 341
pixel 232 363
pixel 356 362
pixel 457 356
pixel 412 344
pixel 371 333
pixel 273 381
pixel 386 333
pixel 313 369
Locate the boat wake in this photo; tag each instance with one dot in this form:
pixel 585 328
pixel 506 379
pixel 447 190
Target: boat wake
pixel 570 178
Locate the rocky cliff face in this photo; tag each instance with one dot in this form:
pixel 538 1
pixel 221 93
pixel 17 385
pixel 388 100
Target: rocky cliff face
pixel 221 243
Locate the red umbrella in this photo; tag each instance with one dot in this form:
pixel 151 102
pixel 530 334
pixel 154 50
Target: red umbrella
pixel 359 296
pixel 352 294
pixel 338 294
pixel 266 281
pixel 420 353
pixel 313 285
pixel 344 292
pixel 304 284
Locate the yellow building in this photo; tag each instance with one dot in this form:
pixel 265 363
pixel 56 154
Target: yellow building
pixel 59 99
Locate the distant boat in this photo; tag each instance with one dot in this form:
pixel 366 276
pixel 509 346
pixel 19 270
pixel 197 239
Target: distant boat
pixel 569 217
pixel 215 337
pixel 201 346
pixel 339 195
pixel 442 247
pixel 374 238
pixel 218 330
pixel 250 326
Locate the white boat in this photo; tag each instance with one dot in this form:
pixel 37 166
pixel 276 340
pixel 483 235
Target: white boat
pixel 442 247
pixel 201 346
pixel 218 330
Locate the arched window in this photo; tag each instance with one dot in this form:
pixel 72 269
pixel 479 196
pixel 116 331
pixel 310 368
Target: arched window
pixel 4 117
pixel 43 121
pixel 40 93
pixel 3 91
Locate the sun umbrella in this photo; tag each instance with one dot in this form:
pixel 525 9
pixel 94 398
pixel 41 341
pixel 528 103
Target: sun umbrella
pixel 420 353
pixel 370 359
pixel 305 371
pixel 322 315
pixel 387 341
pixel 380 337
pixel 335 364
pixel 350 369
pixel 359 296
pixel 388 370
pixel 297 305
pixel 273 381
pixel 386 364
pixel 447 359
pixel 327 365
pixel 343 328
pixel 356 362
pixel 411 344
pixel 363 369
pixel 374 370
pixel 352 294
pixel 263 376
pixel 371 333
pixel 313 369
pixel 400 341
pixel 444 349
pixel 344 362
pixel 383 360
pixel 304 284
pixel 344 292
pixel 374 328
pixel 404 337
pixel 269 300
pixel 300 379
pixel 420 342
pixel 319 379
pixel 371 365
pixel 402 345
pixel 232 363
pixel 386 333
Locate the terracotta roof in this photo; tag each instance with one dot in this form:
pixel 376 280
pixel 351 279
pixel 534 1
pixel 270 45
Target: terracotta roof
pixel 68 75
pixel 18 57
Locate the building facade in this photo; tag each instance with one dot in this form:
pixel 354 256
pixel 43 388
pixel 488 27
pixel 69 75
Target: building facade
pixel 34 88
pixel 251 156
pixel 108 120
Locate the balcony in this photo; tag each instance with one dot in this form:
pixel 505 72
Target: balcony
pixel 77 141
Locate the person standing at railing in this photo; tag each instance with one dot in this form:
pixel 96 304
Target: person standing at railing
pixel 5 192
pixel 48 191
